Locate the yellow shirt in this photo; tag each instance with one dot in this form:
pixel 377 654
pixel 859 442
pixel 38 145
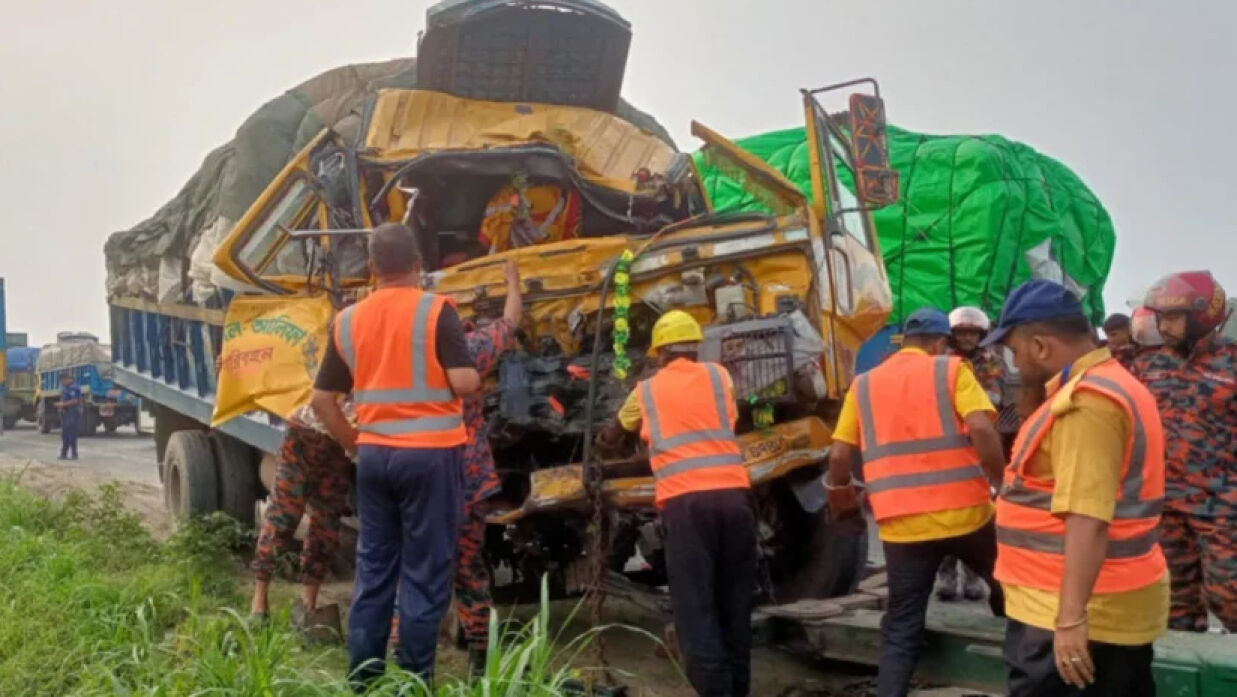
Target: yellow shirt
pixel 1083 454
pixel 968 398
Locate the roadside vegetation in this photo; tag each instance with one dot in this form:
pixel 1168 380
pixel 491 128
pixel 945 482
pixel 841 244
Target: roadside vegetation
pixel 91 605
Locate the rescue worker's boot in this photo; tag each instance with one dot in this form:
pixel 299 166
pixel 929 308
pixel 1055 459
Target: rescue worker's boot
pixel 973 587
pixel 947 580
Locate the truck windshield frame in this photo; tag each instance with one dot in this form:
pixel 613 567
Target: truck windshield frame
pixel 843 209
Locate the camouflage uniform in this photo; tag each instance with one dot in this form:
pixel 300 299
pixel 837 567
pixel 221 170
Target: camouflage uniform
pixel 1197 396
pixel 989 369
pixel 472 575
pixel 313 473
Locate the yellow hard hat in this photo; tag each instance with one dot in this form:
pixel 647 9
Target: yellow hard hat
pixel 675 327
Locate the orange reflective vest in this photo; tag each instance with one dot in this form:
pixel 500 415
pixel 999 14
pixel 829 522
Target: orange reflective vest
pixel 402 396
pixel 687 418
pixel 917 457
pixel 1031 540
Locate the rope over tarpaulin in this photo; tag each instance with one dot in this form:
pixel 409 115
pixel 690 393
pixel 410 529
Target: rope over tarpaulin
pixel 978 215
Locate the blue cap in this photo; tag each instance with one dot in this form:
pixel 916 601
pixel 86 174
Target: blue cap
pixel 1034 301
pixel 926 321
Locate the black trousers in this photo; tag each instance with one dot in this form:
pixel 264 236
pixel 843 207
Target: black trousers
pixel 711 560
pixel 1120 671
pixel 912 569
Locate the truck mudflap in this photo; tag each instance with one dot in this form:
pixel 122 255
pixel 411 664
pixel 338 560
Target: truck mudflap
pixel 768 455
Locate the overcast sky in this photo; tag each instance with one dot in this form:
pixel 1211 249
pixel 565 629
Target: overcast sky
pixel 106 108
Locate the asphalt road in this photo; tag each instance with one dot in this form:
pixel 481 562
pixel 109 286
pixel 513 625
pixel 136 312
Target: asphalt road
pixel 123 455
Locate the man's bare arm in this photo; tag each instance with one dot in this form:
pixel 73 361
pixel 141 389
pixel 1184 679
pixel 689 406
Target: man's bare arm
pixel 326 406
pixel 463 381
pixel 513 310
pixel 1086 545
pixel 987 443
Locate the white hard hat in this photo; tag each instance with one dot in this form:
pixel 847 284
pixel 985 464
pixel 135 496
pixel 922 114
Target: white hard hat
pixel 969 317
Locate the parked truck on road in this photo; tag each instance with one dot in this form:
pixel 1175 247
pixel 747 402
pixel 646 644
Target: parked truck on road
pixel 21 385
pixel 537 165
pixel 104 404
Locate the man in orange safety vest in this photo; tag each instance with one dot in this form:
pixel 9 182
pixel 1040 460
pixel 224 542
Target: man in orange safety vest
pixel 1085 580
pixel 926 433
pixel 686 413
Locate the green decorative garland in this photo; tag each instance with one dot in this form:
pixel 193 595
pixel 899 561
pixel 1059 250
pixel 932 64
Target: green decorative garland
pixel 622 305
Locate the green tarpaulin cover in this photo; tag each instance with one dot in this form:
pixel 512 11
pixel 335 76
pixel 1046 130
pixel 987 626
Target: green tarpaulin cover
pixel 978 215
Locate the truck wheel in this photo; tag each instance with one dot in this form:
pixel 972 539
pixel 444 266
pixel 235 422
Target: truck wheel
pixel 835 561
pixel 90 423
pixel 191 478
pixel 238 477
pixel 10 422
pixel 45 425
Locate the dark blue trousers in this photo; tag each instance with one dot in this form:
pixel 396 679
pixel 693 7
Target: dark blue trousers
pixel 410 504
pixel 70 425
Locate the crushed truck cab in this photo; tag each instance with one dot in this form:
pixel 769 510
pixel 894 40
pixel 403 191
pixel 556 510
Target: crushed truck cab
pixel 565 188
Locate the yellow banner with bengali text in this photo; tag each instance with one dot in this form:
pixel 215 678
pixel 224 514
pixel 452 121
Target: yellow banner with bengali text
pixel 272 346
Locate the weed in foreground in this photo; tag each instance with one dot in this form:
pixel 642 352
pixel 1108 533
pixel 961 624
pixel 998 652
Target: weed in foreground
pixel 92 606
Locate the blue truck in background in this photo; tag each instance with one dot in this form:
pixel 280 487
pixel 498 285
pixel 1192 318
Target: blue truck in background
pixel 21 385
pixel 104 402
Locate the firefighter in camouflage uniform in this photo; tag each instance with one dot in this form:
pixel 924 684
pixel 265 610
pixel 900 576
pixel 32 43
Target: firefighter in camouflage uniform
pixel 968 326
pixel 1194 379
pixel 312 475
pixel 472 576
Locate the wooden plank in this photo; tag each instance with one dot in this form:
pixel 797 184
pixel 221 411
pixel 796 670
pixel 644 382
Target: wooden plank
pixel 875 581
pixel 804 610
pixel 186 312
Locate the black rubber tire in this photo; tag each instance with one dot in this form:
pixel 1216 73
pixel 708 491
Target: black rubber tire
pixel 191 476
pixel 109 426
pixel 90 422
pixel 834 561
pixel 238 477
pixel 10 422
pixel 45 425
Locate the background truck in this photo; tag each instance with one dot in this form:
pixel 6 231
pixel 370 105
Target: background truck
pixel 526 154
pixel 21 386
pixel 89 362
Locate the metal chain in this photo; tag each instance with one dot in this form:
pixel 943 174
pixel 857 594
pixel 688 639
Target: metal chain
pixel 597 593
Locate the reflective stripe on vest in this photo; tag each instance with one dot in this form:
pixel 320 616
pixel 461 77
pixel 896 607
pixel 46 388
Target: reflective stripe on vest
pixel 1130 506
pixel 425 413
pixel 420 391
pixel 660 446
pixel 950 439
pixel 1031 539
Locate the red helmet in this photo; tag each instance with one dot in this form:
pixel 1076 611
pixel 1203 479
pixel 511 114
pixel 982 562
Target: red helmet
pixel 1193 292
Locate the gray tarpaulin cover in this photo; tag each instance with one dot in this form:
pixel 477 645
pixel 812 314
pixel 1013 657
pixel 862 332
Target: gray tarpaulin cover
pixel 168 256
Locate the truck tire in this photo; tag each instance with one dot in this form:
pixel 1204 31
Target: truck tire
pixel 45 424
pixel 90 422
pixel 832 559
pixel 10 422
pixel 191 476
pixel 238 477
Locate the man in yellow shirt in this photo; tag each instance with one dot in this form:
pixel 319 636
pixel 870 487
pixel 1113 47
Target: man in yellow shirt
pixel 1085 583
pixel 925 431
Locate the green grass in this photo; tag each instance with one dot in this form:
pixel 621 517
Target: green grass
pixel 92 606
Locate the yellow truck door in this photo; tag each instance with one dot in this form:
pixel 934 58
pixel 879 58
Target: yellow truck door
pixel 859 298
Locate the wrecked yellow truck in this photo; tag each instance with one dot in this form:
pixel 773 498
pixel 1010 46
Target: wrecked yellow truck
pixel 565 190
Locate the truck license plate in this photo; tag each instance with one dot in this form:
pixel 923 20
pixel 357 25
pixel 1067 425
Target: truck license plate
pixel 107 410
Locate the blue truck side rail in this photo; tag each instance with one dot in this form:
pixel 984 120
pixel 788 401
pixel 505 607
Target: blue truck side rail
pixel 166 353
